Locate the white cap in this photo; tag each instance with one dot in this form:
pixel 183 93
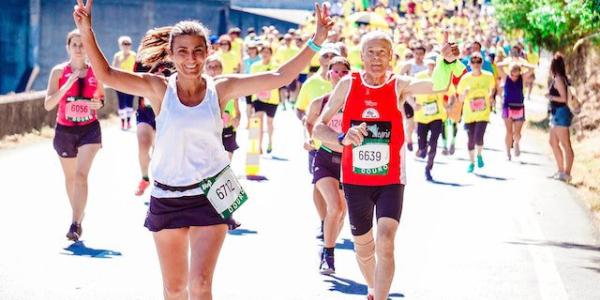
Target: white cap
pixel 329 48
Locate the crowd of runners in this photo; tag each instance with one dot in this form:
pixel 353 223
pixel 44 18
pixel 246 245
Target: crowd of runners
pixel 362 79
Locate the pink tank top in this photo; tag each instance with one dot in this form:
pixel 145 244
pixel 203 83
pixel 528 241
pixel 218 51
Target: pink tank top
pixel 73 108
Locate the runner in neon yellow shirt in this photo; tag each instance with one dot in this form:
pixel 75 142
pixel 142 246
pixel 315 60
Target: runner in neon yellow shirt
pixel 265 102
pixel 284 53
pixel 476 89
pixel 229 58
pixel 430 114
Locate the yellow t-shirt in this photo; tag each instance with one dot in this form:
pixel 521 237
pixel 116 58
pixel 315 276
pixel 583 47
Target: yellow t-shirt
pixel 270 97
pixel 477 106
pixel 354 57
pixel 432 105
pixel 230 61
pixel 285 53
pixel 128 63
pixel 237 46
pixel 313 87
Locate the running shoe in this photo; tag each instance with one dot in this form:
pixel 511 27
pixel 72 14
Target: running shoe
pixel 428 175
pixel 564 177
pixel 452 149
pixel 321 235
pixel 517 150
pixel 471 168
pixel 142 187
pixel 233 224
pixel 74 232
pixel 421 153
pixel 269 148
pixel 480 163
pixel 327 265
pixel 409 146
pixel 445 151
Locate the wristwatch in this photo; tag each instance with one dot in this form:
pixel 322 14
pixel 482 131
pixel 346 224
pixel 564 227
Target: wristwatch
pixel 341 137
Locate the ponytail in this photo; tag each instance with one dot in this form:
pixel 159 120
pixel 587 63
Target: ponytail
pixel 154 46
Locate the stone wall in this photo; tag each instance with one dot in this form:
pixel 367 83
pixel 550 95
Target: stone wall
pixel 582 66
pixel 25 112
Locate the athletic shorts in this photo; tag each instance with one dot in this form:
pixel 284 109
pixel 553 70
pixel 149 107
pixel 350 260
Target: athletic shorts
pixel 68 139
pixel 229 141
pixel 326 164
pixel 145 115
pixel 314 69
pixel 249 99
pixel 311 160
pixel 514 113
pixel 408 110
pixel 363 200
pixel 125 100
pixel 269 109
pixel 181 212
pixel 302 78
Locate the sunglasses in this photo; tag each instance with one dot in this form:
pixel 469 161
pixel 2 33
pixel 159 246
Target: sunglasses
pixel 126 44
pixel 339 73
pixel 476 61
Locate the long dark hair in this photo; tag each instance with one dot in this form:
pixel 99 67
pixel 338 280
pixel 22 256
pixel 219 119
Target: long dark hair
pixel 557 67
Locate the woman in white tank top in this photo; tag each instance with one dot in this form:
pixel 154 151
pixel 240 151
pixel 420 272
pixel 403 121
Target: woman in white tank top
pixel 188 147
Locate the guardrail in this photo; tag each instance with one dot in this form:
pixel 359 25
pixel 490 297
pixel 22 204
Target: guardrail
pixel 24 112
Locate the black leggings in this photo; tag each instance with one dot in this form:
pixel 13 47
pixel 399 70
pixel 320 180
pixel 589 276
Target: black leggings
pixel 454 130
pixel 436 127
pixel 475 130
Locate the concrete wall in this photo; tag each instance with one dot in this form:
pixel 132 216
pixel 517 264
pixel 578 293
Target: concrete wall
pixel 33 31
pixel 285 4
pixel 25 112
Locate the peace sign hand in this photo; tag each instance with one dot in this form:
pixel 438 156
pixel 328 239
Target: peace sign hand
pixel 324 23
pixel 82 14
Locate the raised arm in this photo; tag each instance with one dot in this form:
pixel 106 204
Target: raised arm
pixel 237 85
pixel 146 85
pixel 53 93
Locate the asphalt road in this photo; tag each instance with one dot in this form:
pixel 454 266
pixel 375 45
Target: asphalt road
pixel 505 232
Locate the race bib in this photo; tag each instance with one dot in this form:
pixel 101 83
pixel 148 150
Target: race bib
pixel 478 104
pixel 264 95
pixel 78 109
pixel 516 113
pixel 224 192
pixel 430 108
pixel 336 123
pixel 373 156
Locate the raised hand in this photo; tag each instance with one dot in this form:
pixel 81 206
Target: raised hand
pixel 74 77
pixel 324 23
pixel 82 14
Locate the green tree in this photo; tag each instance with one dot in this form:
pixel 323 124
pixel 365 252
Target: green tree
pixel 552 24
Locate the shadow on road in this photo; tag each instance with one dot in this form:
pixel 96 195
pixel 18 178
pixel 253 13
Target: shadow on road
pixel 435 181
pixel 80 249
pixel 350 287
pixel 277 158
pixel 242 232
pixel 346 244
pixel 564 245
pixel 491 177
pixel 256 178
pixel 529 163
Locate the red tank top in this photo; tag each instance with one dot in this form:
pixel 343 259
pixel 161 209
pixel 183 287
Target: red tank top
pixel 73 108
pixel 380 159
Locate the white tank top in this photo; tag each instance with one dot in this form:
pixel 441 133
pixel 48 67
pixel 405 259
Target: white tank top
pixel 188 146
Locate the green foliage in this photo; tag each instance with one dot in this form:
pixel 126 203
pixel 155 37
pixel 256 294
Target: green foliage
pixel 553 24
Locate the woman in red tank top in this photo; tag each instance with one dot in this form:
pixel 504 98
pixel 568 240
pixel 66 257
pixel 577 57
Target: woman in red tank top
pixel 78 94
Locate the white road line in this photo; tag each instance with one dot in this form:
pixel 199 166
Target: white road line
pixel 549 281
